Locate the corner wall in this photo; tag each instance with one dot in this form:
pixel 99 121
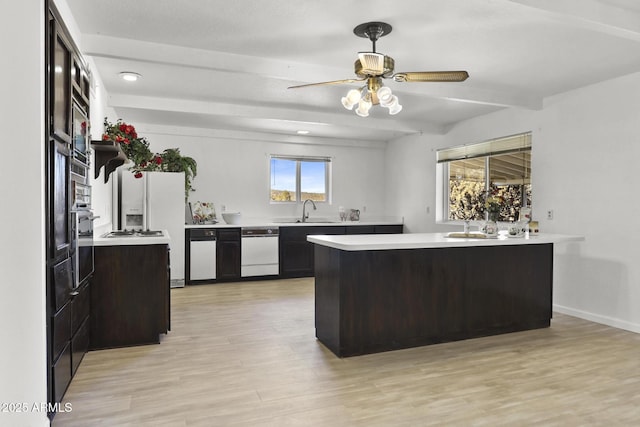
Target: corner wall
pixel 22 255
pixel 584 158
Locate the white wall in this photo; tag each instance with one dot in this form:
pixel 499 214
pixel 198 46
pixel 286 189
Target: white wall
pixel 235 172
pixel 22 254
pixel 584 155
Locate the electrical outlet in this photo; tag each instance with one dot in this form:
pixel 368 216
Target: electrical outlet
pixel 550 214
pixel 428 209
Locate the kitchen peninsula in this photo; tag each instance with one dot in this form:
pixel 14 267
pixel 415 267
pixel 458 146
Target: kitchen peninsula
pixel 383 292
pixel 130 293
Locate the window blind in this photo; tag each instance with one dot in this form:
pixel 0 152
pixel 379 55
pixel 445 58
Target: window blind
pixel 508 144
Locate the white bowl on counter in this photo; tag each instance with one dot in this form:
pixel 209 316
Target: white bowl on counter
pixel 232 218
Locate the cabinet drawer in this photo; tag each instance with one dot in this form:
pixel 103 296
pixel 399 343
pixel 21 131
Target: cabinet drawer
pixel 79 346
pixel 61 330
pixel 61 374
pixel 80 308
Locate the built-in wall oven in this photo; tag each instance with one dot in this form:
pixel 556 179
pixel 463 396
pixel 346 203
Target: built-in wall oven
pixel 82 253
pixel 82 250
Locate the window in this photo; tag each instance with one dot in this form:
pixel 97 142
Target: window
pixel 500 168
pixel 295 179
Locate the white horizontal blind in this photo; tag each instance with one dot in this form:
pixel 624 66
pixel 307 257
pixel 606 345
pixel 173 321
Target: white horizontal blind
pixel 509 144
pixel 302 158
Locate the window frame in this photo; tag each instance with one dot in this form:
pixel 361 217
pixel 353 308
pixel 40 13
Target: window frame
pixel 485 150
pixel 298 178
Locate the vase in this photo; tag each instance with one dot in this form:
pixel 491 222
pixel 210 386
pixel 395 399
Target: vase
pixel 490 228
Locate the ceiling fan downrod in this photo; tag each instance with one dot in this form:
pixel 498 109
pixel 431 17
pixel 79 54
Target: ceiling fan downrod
pixel 372 31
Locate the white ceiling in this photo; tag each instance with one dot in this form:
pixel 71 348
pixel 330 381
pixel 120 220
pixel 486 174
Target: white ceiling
pixel 227 64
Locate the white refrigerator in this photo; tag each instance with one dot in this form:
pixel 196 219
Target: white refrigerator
pixel 156 202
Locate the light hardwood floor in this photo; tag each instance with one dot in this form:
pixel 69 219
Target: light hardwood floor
pixel 244 354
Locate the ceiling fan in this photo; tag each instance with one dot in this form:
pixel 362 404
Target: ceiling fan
pixel 372 67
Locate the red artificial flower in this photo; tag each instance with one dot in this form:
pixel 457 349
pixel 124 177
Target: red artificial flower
pixel 105 137
pixel 143 164
pixel 158 160
pixel 138 175
pixel 123 127
pixel 134 135
pixel 129 129
pixel 126 141
pixel 118 138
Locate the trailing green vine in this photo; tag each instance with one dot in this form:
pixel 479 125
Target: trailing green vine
pixel 144 160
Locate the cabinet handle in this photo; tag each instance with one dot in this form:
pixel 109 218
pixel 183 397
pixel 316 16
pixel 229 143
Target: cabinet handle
pixel 75 293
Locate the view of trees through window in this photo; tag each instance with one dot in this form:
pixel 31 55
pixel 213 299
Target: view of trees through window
pixel 506 177
pixel 298 179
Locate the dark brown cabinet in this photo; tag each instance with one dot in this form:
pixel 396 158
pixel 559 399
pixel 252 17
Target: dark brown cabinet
pixel 228 254
pixel 129 296
pixel 67 89
pixel 388 229
pixel 58 200
pixel 61 52
pixel 295 253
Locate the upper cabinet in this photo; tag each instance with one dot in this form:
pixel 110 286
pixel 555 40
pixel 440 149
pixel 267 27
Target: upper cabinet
pixel 70 82
pixel 60 84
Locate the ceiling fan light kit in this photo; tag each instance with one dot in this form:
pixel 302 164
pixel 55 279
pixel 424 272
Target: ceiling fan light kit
pixel 372 67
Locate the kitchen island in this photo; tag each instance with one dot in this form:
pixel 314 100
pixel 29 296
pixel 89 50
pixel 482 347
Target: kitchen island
pixel 383 292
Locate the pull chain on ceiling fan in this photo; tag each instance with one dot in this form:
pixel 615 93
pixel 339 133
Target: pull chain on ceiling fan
pixel 372 67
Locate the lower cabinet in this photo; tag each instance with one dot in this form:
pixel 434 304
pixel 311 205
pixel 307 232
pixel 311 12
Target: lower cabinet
pixel 296 254
pixel 228 265
pixel 70 340
pixel 129 296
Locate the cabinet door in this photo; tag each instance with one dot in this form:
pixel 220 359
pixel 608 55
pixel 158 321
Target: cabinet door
pixel 228 254
pixel 60 83
pixel 360 229
pixel 61 374
pixel 389 229
pixel 59 202
pixel 296 253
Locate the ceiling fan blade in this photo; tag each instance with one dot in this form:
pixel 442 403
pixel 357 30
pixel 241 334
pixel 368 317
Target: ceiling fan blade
pixel 431 76
pixel 333 82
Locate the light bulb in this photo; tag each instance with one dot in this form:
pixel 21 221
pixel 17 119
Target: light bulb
pixel 363 107
pixel 352 98
pixel 395 108
pixel 384 96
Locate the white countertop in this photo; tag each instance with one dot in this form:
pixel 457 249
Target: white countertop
pixel 257 222
pixel 165 239
pixel 374 242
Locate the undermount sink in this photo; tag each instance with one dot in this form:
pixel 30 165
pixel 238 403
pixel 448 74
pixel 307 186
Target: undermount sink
pixel 308 221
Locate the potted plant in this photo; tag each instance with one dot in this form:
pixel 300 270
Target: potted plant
pixel 144 160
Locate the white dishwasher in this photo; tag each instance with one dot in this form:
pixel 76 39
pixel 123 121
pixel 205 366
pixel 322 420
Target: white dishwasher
pixel 259 253
pixel 202 254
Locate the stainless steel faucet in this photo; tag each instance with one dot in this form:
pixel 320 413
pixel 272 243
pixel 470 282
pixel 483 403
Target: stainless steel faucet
pixel 305 215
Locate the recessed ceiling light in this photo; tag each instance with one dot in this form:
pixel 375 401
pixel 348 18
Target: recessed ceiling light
pixel 130 76
pixel 303 132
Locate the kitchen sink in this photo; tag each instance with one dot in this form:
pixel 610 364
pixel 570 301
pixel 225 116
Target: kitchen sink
pixel 308 221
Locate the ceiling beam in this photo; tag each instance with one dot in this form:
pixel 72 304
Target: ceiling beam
pixel 593 15
pixel 135 50
pixel 272 113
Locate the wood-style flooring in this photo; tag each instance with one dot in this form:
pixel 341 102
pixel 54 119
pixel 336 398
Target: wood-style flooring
pixel 245 354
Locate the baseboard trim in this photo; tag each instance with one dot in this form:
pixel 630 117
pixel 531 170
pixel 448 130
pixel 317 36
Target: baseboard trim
pixel 605 320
